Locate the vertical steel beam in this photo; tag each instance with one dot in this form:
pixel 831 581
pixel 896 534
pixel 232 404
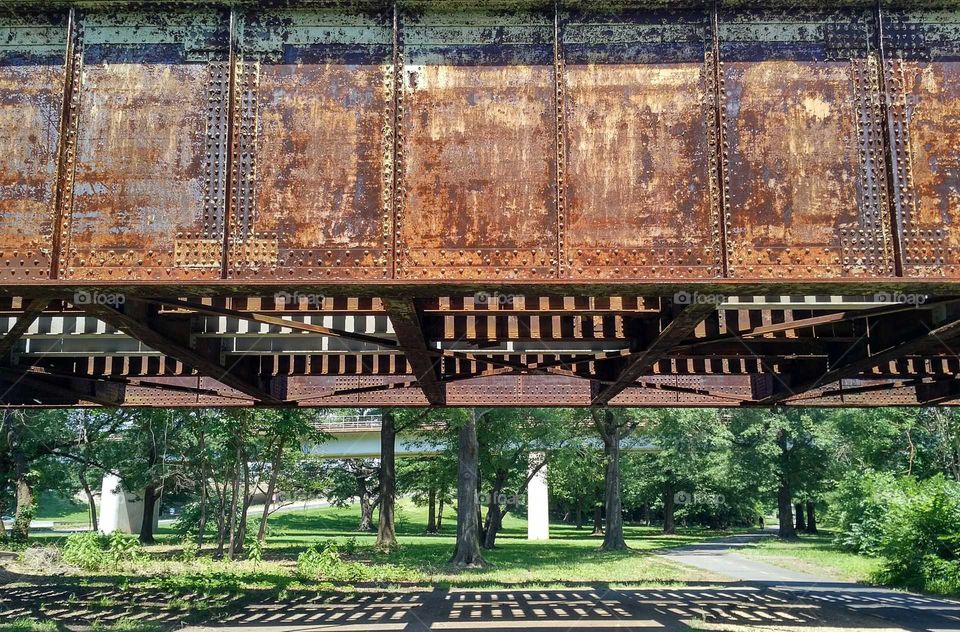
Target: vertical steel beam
pixel 231 182
pixel 67 147
pixel 719 158
pixel 397 87
pixel 561 144
pixel 896 226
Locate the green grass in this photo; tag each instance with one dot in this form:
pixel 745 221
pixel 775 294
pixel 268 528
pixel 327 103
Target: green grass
pixel 570 557
pixel 816 554
pixel 61 509
pixel 120 625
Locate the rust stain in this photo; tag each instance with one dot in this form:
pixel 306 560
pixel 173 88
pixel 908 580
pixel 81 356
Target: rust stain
pixel 323 111
pixel 144 198
pixel 478 158
pixel 931 215
pixel 793 166
pixel 638 143
pixel 138 180
pixel 31 101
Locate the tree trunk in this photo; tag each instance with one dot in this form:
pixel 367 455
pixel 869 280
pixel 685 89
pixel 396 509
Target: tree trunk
pixel 24 514
pixel 613 536
pixel 146 522
pixel 784 493
pixel 579 514
pixel 597 521
pixel 785 512
pixel 467 551
pixel 202 526
pixel 386 529
pixel 494 519
pixel 20 530
pixel 91 503
pixel 149 495
pixel 271 490
pixel 234 502
pixel 669 526
pixel 440 512
pixel 432 510
pixel 221 518
pixel 366 513
pixel 811 517
pixel 801 524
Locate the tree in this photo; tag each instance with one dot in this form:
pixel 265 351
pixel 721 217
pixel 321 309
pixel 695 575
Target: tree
pixel 506 438
pixel 430 482
pixel 354 478
pixel 393 422
pixel 612 425
pixel 467 552
pixel 575 479
pixel 36 446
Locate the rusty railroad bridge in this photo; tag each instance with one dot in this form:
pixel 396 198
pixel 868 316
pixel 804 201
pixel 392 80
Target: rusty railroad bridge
pixel 362 203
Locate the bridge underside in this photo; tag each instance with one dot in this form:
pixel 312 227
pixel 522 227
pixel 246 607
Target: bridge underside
pixel 495 202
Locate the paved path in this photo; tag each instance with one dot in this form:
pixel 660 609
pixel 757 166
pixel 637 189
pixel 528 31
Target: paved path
pixel 903 609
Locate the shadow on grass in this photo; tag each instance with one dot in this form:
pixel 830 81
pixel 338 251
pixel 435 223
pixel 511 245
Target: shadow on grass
pixel 101 602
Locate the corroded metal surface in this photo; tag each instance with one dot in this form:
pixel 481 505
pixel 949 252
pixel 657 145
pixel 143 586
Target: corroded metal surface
pixel 639 104
pixel 314 164
pixel 804 180
pixel 477 156
pixel 32 75
pixel 146 190
pixel 498 141
pixel 922 74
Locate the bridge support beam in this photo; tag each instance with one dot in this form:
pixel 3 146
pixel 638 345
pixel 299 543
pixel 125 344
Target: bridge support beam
pixel 538 505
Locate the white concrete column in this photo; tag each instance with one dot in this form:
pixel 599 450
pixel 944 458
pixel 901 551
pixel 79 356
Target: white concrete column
pixel 538 505
pixel 119 510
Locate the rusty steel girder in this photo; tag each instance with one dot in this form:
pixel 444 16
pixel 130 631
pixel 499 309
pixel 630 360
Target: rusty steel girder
pixel 577 163
pixel 494 141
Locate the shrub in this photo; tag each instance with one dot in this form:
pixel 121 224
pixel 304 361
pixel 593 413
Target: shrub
pixel 86 550
pixel 91 551
pixel 860 507
pixel 322 562
pixel 920 538
pixel 123 548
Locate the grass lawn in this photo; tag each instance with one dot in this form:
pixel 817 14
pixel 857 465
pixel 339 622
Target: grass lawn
pixel 815 554
pixel 61 509
pixel 570 557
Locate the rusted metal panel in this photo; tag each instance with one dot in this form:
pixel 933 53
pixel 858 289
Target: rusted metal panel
pixel 315 144
pixel 32 74
pixel 477 151
pixel 641 196
pixel 146 199
pixel 922 75
pixel 804 175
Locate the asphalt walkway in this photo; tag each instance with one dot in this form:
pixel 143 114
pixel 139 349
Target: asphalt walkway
pixel 898 608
